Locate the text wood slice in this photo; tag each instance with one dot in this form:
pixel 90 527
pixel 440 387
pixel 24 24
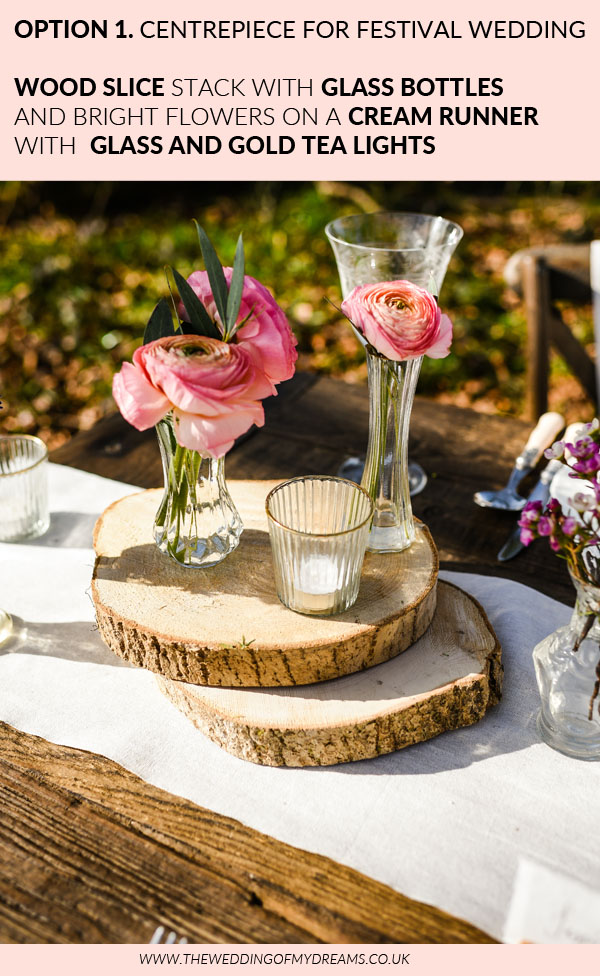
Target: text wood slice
pixel 225 626
pixel 445 681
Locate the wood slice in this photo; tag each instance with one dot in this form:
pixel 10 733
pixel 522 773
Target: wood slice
pixel 445 681
pixel 225 625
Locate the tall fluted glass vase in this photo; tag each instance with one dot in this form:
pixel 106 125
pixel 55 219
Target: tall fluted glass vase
pixel 372 248
pixel 391 393
pixel 197 523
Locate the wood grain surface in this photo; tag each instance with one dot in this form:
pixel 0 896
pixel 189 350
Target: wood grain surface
pixel 447 680
pixel 71 824
pixel 89 853
pixel 225 625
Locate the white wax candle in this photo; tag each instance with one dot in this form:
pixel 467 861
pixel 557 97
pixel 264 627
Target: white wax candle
pixel 316 581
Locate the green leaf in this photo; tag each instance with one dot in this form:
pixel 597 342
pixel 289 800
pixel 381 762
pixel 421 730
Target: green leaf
pixel 236 287
pixel 173 302
pixel 160 323
pixel 216 275
pixel 200 321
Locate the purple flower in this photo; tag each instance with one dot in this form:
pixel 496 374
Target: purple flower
pixel 586 453
pixel 569 526
pixel 554 543
pixel 589 465
pixel 581 446
pixel 545 525
pixel 530 514
pixel 527 536
pixel 556 451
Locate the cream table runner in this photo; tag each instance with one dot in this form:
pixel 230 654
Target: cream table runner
pixel 445 822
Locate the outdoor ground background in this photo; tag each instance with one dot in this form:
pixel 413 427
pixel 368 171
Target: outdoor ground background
pixel 82 265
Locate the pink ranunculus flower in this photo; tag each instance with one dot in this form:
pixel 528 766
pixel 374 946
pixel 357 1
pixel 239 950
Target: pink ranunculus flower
pixel 213 389
pixel 400 320
pixel 266 336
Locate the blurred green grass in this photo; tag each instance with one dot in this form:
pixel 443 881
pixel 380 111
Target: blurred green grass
pixel 82 266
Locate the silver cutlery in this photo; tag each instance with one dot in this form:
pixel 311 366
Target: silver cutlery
pixel 171 938
pixel 545 432
pixel 540 493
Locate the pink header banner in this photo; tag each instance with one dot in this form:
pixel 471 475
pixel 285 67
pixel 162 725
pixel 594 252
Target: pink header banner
pixel 297 960
pixel 267 91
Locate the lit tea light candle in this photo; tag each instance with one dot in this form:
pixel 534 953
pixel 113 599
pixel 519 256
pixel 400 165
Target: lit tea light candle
pixel 318 526
pixel 317 580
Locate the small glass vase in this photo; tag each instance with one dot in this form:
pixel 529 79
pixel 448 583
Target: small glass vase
pixel 197 523
pixel 391 392
pixel 567 666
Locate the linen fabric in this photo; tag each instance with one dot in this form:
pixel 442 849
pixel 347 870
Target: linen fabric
pixel 445 822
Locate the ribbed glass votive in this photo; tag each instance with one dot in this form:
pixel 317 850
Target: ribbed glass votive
pixel 23 488
pixel 319 526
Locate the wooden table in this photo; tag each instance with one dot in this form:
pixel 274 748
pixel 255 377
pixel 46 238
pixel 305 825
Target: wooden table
pixel 89 853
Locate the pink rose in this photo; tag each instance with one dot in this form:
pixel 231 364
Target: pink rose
pixel 213 388
pixel 400 320
pixel 266 336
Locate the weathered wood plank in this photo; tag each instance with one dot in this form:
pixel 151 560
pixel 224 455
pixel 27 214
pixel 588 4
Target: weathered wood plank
pixel 90 853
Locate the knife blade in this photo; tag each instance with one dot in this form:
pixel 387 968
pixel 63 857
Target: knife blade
pixel 539 493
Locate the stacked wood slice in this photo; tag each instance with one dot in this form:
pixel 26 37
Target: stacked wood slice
pixel 281 688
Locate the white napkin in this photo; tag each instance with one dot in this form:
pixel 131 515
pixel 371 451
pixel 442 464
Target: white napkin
pixel 444 822
pixel 549 908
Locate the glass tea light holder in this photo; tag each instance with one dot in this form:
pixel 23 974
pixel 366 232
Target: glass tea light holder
pixel 23 488
pixel 319 527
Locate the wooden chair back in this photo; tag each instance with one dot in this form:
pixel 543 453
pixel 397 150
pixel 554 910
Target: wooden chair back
pixel 543 276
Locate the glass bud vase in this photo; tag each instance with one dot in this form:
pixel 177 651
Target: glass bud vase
pixel 567 666
pixel 391 391
pixel 197 523
pixel 377 247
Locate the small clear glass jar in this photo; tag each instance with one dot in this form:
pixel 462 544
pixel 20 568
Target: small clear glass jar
pixel 23 488
pixel 197 523
pixel 567 666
